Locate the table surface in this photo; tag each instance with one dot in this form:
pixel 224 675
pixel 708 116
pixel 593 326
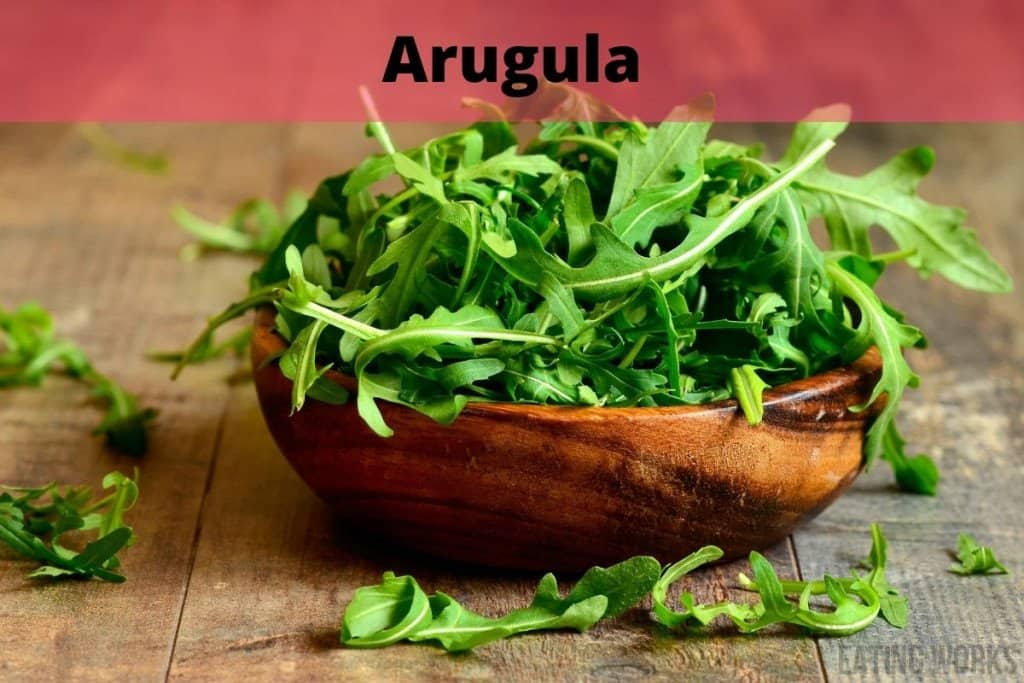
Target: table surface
pixel 239 568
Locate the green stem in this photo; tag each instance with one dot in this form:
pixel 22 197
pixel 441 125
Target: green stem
pixel 606 149
pixel 634 351
pixel 263 295
pixel 893 256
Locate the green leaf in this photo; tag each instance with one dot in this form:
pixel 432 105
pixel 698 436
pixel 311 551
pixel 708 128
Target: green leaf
pixel 917 474
pixel 314 265
pixel 934 235
pixel 656 206
pixel 99 552
pixel 429 185
pixel 657 161
pixel 502 167
pixel 562 305
pixel 108 146
pixel 664 614
pixel 386 613
pixel 371 170
pixel 890 335
pixel 457 629
pixel 301 360
pixel 394 610
pixel 747 388
pixel 578 216
pixel 33 521
pixel 418 336
pixel 407 255
pixel 701 281
pixel 29 351
pixel 254 226
pixel 892 604
pixel 856 601
pixel 975 559
pixel 623 584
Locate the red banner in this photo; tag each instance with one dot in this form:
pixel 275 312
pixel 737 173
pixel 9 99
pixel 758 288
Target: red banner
pixel 274 60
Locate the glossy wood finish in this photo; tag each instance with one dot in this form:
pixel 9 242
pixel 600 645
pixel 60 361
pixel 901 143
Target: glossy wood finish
pixel 551 487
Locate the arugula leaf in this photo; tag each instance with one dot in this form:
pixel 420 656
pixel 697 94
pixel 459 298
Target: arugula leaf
pixel 236 345
pixel 407 255
pixel 654 207
pixel 892 604
pixel 420 177
pixel 29 350
pixel 398 609
pixel 657 160
pixel 506 165
pixel 747 388
pixel 891 336
pixel 255 226
pixel 418 336
pixel 103 142
pixel 457 629
pixel 917 474
pixel 386 613
pixel 935 235
pixel 623 584
pixel 578 216
pixel 34 520
pixel 663 613
pixel 856 600
pixel 975 559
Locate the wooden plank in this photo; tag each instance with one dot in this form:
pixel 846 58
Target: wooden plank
pixel 273 572
pixel 93 242
pixel 969 415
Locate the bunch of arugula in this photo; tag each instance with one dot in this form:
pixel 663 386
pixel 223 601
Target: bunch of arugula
pixel 606 264
pixel 398 609
pixel 29 350
pixel 33 522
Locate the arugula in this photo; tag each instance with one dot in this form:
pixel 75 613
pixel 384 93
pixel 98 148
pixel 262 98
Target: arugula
pixel 236 345
pixel 607 264
pixel 975 559
pixel 747 388
pixel 254 227
pixel 108 146
pixel 398 609
pixel 934 236
pixel 29 350
pixel 34 522
pixel 856 600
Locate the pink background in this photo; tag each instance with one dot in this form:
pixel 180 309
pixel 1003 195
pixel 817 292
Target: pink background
pixel 273 60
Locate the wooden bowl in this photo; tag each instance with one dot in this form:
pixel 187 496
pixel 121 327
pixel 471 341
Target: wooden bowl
pixel 564 488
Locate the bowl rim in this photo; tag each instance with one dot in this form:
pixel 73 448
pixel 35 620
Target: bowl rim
pixel 266 345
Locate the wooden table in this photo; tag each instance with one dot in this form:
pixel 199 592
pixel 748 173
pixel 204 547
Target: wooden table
pixel 239 570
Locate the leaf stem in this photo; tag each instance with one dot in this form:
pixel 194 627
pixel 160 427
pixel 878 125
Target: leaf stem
pixel 606 149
